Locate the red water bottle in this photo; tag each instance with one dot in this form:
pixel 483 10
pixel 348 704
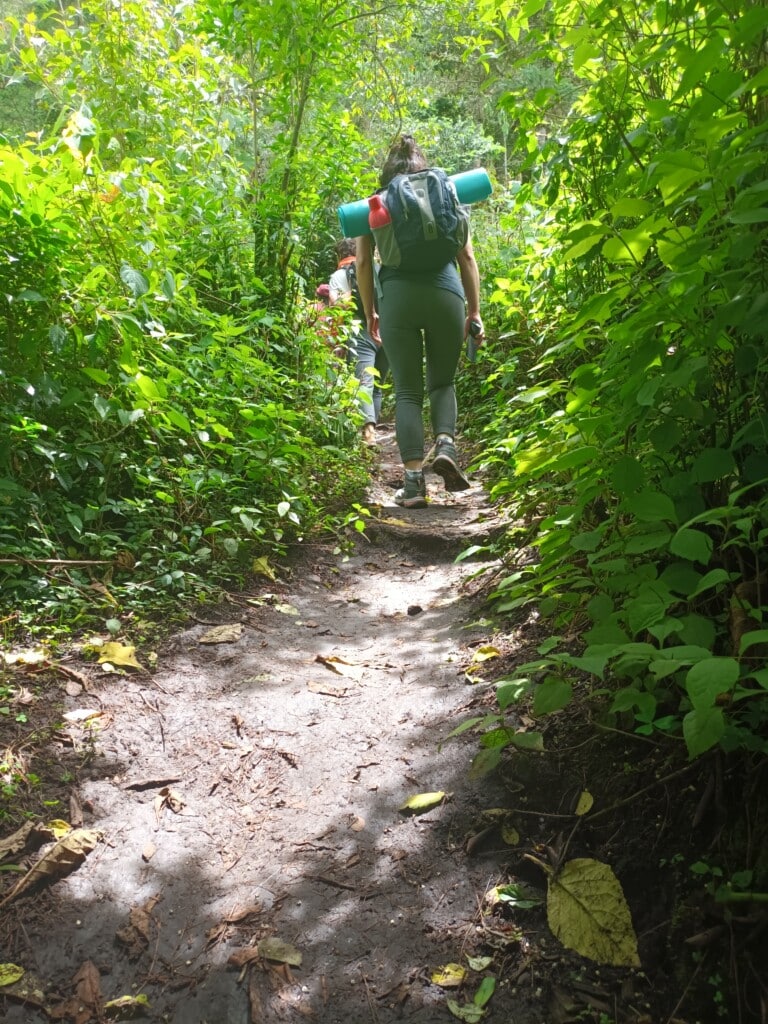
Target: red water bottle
pixel 378 214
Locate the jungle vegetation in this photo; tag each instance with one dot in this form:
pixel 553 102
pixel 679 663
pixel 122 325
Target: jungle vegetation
pixel 169 175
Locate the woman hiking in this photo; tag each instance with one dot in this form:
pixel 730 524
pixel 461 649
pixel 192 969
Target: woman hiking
pixel 421 312
pixel 368 356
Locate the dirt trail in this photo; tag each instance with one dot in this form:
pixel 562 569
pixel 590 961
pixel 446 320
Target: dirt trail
pixel 247 795
pixel 249 789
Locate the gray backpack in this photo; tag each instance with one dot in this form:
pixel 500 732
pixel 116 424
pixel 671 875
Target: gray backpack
pixel 427 224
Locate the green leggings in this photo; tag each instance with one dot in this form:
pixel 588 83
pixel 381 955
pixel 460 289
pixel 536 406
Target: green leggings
pixel 408 308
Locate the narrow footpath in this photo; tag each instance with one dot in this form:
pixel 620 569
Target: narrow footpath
pixel 245 793
pixel 249 790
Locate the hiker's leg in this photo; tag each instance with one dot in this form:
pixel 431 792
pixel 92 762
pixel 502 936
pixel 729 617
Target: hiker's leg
pixel 364 363
pixel 381 365
pixel 443 339
pixel 400 319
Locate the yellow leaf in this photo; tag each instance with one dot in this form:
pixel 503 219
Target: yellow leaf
pixel 286 609
pixel 422 802
pixel 587 912
pixel 449 976
pixel 123 655
pixel 59 828
pixel 262 567
pixel 585 803
pixel 510 835
pixel 485 652
pixel 125 1007
pixel 10 974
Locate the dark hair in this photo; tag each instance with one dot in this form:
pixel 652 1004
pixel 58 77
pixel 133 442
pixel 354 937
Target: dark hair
pixel 404 157
pixel 346 247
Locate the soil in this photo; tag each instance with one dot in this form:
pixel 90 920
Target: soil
pixel 252 859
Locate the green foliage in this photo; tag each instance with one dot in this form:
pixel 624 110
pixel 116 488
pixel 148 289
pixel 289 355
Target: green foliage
pixel 170 192
pixel 626 412
pixel 162 417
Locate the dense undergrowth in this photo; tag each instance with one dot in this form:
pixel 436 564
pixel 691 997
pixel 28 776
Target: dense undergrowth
pixel 631 436
pixel 170 415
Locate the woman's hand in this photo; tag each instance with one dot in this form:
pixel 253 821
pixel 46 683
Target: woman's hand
pixel 372 322
pixel 473 326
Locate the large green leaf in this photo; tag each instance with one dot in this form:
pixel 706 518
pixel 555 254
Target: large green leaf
pixel 553 694
pixel 652 506
pixel 134 280
pixel 713 464
pixel 709 678
pixel 695 545
pixel 703 728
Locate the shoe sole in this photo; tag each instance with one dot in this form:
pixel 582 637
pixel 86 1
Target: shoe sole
pixel 418 502
pixel 453 478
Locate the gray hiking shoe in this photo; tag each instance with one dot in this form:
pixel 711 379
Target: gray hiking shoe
pixel 446 465
pixel 414 492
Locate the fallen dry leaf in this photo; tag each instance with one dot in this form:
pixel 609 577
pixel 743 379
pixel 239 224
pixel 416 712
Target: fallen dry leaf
pixel 586 800
pixel 286 609
pixel 87 983
pixel 449 976
pixel 279 950
pixel 225 634
pixel 242 957
pixel 588 912
pixel 341 666
pixel 64 857
pixel 27 657
pixel 137 933
pixel 75 811
pixel 17 841
pixel 327 691
pixel 169 798
pixel 216 934
pixel 58 828
pixel 80 715
pixel 241 913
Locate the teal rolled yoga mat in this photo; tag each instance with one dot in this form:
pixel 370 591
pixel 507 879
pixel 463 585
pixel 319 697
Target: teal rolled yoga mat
pixel 471 187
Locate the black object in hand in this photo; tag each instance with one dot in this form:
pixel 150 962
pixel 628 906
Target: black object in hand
pixel 475 330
